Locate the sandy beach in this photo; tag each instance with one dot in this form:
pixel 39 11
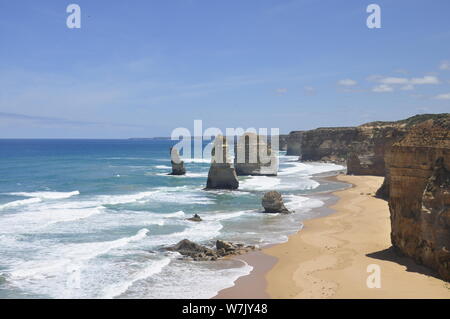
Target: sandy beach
pixel 329 257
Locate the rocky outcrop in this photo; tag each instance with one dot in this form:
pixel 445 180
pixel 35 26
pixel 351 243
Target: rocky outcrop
pixel 273 203
pixel 367 151
pixel 328 144
pixel 221 174
pixel 253 156
pixel 294 143
pixel 177 163
pixel 419 194
pixel 198 252
pixel 362 148
pixel 282 142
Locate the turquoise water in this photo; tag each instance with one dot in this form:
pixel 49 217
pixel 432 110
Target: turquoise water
pixel 88 219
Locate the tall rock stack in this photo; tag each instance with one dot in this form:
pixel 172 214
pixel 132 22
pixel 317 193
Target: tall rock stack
pixel 177 163
pixel 221 173
pixel 419 195
pixel 253 156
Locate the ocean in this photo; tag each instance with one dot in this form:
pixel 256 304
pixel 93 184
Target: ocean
pixel 90 218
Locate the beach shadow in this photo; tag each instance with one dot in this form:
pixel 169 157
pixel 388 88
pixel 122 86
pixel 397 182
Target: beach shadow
pixel 391 255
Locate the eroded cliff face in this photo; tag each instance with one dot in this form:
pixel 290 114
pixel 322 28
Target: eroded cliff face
pixel 362 148
pixel 367 152
pixel 327 144
pixel 294 143
pixel 419 195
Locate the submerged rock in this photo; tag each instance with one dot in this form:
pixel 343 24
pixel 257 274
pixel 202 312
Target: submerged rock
pixel 177 163
pixel 273 203
pixel 195 218
pixel 221 174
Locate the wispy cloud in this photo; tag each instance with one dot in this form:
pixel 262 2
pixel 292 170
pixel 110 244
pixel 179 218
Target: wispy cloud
pixel 309 90
pixel 347 82
pixel 281 91
pixel 51 121
pixel 389 84
pixel 382 88
pixel 445 96
pixel 445 65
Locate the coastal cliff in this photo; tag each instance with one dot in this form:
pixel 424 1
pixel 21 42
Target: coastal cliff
pixel 363 148
pixel 419 194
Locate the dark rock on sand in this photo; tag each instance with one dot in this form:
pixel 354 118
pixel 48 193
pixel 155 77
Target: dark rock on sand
pixel 273 203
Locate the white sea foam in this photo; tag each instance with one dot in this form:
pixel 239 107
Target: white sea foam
pixel 182 195
pixel 118 289
pixel 196 160
pixel 70 254
pixel 202 282
pixel 40 217
pixel 218 216
pixel 259 183
pixel 192 175
pixel 47 195
pixel 163 167
pixel 300 202
pixel 20 203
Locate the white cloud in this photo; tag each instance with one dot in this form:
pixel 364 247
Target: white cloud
pixel 347 82
pixel 445 65
pixel 445 96
pixel 281 90
pixel 429 79
pixel 382 88
pixel 389 84
pixel 393 80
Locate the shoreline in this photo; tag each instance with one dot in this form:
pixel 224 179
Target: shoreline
pixel 253 285
pixel 329 256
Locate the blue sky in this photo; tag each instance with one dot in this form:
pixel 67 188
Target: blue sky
pixel 143 68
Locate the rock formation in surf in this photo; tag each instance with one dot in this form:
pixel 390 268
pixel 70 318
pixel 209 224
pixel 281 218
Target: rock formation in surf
pixel 177 163
pixel 419 194
pixel 197 252
pixel 221 174
pixel 195 218
pixel 273 203
pixel 253 156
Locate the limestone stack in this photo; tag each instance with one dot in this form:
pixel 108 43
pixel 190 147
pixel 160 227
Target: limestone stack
pixel 254 156
pixel 221 173
pixel 177 163
pixel 419 195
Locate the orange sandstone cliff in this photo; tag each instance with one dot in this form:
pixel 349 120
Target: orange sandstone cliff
pixel 418 180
